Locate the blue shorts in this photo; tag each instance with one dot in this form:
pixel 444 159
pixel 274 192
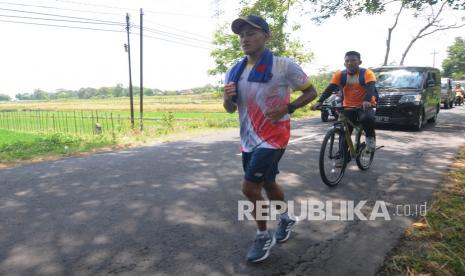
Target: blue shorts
pixel 261 165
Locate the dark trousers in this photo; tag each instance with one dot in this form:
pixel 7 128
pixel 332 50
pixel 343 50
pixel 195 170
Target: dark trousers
pixel 365 117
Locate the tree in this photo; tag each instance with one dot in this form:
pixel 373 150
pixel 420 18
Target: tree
pixel 228 49
pixel 454 64
pixel 432 26
pixel 351 8
pixel 4 97
pixel 389 37
pixel 40 95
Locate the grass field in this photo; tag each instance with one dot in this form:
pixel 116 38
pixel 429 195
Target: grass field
pixel 162 114
pixel 435 245
pixel 19 146
pixel 189 103
pixel 76 123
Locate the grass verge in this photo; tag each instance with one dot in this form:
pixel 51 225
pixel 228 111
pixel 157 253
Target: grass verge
pixel 435 245
pixel 16 147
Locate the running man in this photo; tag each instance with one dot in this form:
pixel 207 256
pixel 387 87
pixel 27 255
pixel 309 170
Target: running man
pixel 259 87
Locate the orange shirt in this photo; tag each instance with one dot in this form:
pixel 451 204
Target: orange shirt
pixel 354 93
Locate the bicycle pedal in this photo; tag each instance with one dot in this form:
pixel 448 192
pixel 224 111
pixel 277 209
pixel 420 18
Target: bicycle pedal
pixel 380 147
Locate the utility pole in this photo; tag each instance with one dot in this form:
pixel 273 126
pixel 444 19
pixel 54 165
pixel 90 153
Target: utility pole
pixel 141 74
pixel 434 53
pixel 128 49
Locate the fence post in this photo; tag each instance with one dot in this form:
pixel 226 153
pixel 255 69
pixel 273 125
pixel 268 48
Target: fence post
pixel 82 122
pixel 75 123
pixel 112 124
pixel 93 123
pixel 66 121
pixel 53 122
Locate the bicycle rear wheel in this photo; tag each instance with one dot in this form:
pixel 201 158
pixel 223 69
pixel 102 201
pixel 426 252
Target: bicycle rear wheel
pixel 364 159
pixel 333 157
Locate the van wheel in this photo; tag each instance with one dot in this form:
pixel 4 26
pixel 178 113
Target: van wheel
pixel 434 118
pixel 419 123
pixel 446 105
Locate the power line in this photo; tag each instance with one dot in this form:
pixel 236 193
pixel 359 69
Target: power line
pixel 177 42
pixel 132 9
pixel 155 31
pixel 58 20
pixel 175 29
pixel 65 16
pixel 59 8
pixel 61 26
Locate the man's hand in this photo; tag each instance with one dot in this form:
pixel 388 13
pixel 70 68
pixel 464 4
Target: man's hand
pixel 230 91
pixel 366 105
pixel 316 105
pixel 276 113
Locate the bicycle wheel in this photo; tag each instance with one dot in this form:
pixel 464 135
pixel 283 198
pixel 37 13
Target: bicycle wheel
pixel 364 158
pixel 333 157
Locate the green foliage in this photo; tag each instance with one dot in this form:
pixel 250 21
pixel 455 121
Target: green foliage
pixel 16 146
pixel 454 64
pixel 321 81
pixel 106 92
pixel 228 49
pixel 350 8
pixel 168 122
pixel 4 97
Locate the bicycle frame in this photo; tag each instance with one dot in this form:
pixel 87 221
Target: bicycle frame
pixel 346 122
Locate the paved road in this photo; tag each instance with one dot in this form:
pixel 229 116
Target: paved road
pixel 171 209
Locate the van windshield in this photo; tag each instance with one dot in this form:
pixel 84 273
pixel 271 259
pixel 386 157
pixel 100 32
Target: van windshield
pixel 399 78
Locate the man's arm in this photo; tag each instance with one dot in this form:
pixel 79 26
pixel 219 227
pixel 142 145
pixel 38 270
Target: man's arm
pixel 308 95
pixel 229 93
pixel 370 88
pixel 328 92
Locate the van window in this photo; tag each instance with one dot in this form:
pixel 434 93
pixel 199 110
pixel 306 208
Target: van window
pixel 399 78
pixel 431 77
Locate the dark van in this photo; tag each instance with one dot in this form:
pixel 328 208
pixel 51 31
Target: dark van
pixel 408 95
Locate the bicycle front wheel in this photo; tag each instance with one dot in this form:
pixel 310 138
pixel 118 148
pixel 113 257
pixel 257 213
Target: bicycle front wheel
pixel 333 157
pixel 364 158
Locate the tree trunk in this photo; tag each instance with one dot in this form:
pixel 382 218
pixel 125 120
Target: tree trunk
pixel 388 40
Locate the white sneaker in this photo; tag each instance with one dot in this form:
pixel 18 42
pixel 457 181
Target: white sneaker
pixel 370 144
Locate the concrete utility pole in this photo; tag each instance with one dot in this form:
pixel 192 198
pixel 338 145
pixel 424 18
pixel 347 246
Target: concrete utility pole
pixel 128 49
pixel 141 74
pixel 434 53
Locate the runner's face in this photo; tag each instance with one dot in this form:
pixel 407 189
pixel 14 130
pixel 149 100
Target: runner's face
pixel 252 40
pixel 352 63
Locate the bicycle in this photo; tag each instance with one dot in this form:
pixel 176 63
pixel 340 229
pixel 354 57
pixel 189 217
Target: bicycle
pixel 341 148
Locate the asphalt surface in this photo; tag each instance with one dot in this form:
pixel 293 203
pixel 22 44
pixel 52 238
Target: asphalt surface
pixel 171 209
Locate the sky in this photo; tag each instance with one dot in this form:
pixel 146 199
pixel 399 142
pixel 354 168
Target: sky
pixel 52 58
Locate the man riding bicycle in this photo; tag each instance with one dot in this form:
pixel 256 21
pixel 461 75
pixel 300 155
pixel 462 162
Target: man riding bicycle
pixel 358 90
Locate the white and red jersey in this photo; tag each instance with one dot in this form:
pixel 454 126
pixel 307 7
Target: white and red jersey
pixel 255 98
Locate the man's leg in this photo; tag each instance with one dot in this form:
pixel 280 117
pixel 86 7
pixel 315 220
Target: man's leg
pixel 367 119
pixel 275 193
pixel 256 164
pixel 253 192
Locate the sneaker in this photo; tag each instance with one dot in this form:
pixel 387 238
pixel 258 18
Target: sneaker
pixel 261 247
pixel 284 229
pixel 371 144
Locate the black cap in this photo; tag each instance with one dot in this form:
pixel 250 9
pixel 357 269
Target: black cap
pixel 252 20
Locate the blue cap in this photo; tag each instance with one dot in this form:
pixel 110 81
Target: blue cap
pixel 252 20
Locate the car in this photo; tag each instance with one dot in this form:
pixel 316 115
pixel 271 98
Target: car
pixel 408 95
pixel 447 93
